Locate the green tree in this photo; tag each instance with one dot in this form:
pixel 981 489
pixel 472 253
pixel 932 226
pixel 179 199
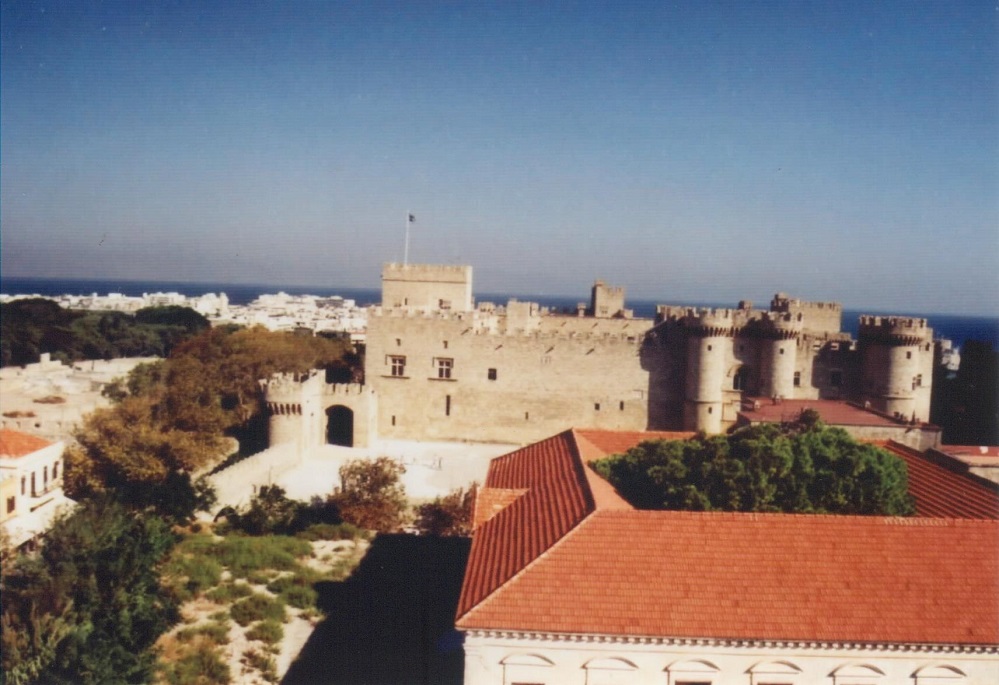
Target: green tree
pixel 450 515
pixel 371 494
pixel 88 608
pixel 803 467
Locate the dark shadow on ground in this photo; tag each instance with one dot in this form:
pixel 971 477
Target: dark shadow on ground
pixel 392 621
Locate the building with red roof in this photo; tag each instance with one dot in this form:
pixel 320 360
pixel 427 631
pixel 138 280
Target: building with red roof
pixel 567 583
pixel 31 496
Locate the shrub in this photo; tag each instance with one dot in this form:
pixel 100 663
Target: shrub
pixel 447 515
pixel 257 607
pixel 263 663
pixel 331 531
pixel 216 632
pixel 268 631
pixel 191 574
pixel 229 592
pixel 242 555
pixel 371 494
pixel 201 666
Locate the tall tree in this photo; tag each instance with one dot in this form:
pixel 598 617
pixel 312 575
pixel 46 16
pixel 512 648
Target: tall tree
pixel 805 467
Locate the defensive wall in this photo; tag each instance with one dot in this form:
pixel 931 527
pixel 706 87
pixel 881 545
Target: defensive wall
pixel 517 373
pixel 236 485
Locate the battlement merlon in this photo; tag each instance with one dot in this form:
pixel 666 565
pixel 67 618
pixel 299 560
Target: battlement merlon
pixel 427 273
pixel 896 330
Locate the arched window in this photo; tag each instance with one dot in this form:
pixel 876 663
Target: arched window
pixel 609 671
pixel 527 668
pixel 939 675
pixel 692 672
pixel 774 673
pixel 857 674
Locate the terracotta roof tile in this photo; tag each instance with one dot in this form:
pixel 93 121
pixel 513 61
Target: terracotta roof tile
pixel 15 444
pixel 570 556
pixel 772 576
pixel 940 492
pixel 491 501
pixel 834 412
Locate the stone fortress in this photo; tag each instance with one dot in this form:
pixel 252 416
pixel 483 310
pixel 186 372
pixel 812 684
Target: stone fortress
pixel 439 368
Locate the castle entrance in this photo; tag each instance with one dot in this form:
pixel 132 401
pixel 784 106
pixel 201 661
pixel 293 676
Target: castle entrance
pixel 340 426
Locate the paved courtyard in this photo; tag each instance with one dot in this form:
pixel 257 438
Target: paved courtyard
pixel 432 468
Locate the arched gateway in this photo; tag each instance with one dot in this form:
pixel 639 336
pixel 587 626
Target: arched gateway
pixel 340 425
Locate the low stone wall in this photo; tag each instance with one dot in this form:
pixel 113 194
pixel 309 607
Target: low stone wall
pixel 236 485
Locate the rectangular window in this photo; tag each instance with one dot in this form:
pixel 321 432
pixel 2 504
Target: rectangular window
pixel 447 405
pixel 24 485
pixel 622 405
pixel 398 342
pixel 445 344
pixel 398 365
pixel 444 367
pixel 596 406
pixel 393 419
pixel 10 504
pixel 491 374
pixel 797 379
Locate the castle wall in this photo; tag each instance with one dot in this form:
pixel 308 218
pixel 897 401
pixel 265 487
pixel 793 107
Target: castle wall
pixel 427 286
pixel 506 386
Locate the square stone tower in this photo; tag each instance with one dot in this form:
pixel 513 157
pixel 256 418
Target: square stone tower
pixel 427 287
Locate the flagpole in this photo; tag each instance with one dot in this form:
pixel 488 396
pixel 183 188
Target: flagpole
pixel 405 258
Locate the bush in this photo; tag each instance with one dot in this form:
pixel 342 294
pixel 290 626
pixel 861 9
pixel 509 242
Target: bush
pixel 269 631
pixel 216 632
pixel 201 666
pixel 257 607
pixel 243 555
pixel 229 592
pixel 330 531
pixel 263 663
pixel 371 494
pixel 447 515
pixel 191 574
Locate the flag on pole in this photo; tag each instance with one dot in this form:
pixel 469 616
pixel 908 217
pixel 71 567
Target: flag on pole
pixel 412 218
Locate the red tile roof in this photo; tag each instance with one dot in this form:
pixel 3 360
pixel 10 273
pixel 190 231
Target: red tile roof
pixel 17 444
pixel 763 576
pixel 570 556
pixel 556 501
pixel 834 412
pixel 942 493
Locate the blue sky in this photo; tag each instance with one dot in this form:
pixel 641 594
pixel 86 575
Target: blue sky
pixel 689 151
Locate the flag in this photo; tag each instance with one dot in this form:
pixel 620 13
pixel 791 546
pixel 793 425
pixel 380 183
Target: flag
pixel 412 218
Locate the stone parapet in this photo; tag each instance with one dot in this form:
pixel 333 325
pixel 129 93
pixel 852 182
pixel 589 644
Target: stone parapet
pixel 894 330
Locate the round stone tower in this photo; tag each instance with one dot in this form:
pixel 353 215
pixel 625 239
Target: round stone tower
pixel 779 353
pixel 709 346
pixel 897 359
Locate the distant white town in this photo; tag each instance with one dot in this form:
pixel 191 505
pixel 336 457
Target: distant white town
pixel 276 312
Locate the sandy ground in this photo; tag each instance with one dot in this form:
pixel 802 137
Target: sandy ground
pixel 432 468
pixel 297 628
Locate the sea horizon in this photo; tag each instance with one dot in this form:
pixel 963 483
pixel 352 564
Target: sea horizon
pixel 955 327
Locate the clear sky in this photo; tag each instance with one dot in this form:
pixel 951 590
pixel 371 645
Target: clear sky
pixel 705 151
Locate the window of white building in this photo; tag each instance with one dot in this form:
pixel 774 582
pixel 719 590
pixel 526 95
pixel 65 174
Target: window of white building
pixel 774 673
pixel 397 365
pixel 939 675
pixel 527 669
pixel 857 674
pixel 692 672
pixel 609 671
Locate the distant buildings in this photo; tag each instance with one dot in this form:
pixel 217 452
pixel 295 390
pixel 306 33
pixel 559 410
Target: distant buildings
pixel 31 472
pixel 568 584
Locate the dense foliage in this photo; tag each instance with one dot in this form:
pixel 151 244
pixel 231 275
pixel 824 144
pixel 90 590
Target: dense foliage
pixel 272 512
pixel 447 515
pixel 88 608
pixel 371 494
pixel 805 467
pixel 29 327
pixel 172 417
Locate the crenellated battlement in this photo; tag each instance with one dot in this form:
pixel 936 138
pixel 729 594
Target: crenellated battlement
pixel 897 330
pixel 412 313
pixel 344 389
pixel 426 272
pixel 782 303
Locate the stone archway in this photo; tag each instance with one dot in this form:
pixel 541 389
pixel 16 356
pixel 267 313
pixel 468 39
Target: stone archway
pixel 340 425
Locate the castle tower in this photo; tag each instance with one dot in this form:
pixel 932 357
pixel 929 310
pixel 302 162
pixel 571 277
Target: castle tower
pixel 606 301
pixel 779 354
pixel 428 287
pixel 709 346
pixel 897 365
